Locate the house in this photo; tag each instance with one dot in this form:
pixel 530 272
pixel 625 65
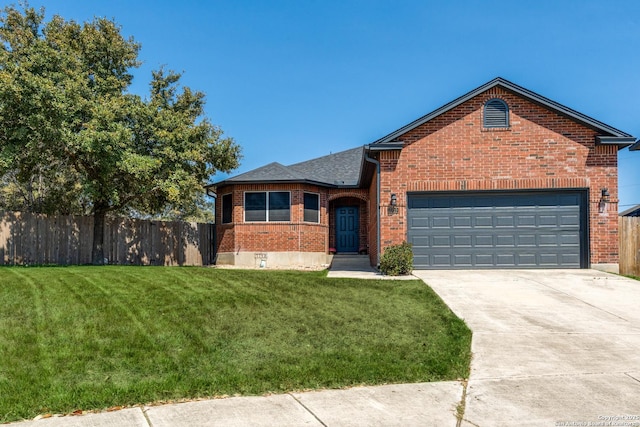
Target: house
pixel 500 177
pixel 634 211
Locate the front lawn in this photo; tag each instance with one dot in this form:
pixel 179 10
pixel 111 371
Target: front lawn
pixel 95 337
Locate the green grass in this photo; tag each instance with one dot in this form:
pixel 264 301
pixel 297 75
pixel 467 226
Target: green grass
pixel 94 337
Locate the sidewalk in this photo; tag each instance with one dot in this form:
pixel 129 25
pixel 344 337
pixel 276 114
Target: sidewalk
pixel 422 404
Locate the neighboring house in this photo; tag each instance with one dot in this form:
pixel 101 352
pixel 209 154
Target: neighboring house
pixel 498 178
pixel 634 211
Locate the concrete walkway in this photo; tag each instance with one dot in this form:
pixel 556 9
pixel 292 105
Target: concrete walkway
pixel 358 267
pixel 550 347
pixel 425 404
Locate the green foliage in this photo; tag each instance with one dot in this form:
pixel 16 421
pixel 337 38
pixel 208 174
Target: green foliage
pixel 397 260
pixel 90 338
pixel 68 123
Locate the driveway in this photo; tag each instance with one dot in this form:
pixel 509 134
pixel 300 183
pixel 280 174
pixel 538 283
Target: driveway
pixel 550 347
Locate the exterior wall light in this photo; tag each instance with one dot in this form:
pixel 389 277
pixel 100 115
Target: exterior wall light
pixel 604 199
pixel 393 205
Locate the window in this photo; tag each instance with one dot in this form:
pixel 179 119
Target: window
pixel 311 207
pixel 496 114
pixel 279 206
pixel 267 206
pixel 227 208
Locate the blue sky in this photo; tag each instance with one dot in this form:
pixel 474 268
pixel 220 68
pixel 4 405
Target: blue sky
pixel 291 80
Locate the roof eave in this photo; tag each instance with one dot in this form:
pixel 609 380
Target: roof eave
pixel 636 146
pixel 282 181
pixel 621 142
pixel 385 147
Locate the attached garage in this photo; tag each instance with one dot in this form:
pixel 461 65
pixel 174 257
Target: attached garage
pixel 532 229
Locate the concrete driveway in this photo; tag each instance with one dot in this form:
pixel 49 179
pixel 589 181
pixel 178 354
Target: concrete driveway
pixel 551 347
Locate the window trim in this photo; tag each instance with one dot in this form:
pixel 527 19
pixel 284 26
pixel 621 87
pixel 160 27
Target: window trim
pixel 504 125
pixel 303 208
pixel 266 192
pixel 222 208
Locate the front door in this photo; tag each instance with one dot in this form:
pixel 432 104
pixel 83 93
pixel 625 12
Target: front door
pixel 347 229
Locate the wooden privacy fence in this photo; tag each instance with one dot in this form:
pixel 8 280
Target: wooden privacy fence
pixel 27 238
pixel 629 245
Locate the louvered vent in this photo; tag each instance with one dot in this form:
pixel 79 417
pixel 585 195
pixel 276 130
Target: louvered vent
pixel 496 114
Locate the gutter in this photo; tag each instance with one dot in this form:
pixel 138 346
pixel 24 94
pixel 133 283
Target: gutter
pixel 377 163
pixel 210 189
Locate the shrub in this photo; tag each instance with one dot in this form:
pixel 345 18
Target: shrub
pixel 397 260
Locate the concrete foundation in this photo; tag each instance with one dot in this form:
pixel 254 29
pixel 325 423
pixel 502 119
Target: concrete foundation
pixel 607 268
pixel 274 259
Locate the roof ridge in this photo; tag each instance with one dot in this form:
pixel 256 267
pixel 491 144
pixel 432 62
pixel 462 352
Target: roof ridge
pixel 361 147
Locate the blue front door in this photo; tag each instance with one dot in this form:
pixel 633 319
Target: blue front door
pixel 347 229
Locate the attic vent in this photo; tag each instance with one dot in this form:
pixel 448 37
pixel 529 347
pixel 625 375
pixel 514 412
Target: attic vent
pixel 496 114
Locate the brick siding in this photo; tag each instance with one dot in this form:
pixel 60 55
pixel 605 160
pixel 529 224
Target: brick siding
pixel 294 235
pixel 540 150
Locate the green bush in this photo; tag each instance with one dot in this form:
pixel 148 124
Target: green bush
pixel 397 260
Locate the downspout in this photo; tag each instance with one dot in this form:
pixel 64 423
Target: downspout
pixel 377 163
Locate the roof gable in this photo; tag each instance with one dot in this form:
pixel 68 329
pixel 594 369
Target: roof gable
pixel 610 135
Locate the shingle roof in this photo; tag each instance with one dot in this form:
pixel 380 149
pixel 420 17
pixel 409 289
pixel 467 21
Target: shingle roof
pixel 271 172
pixel 338 169
pixel 341 168
pixel 634 211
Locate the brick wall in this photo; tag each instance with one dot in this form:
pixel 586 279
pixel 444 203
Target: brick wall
pixel 540 150
pixel 293 236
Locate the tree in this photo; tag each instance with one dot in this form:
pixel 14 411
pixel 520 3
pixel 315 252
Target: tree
pixel 65 111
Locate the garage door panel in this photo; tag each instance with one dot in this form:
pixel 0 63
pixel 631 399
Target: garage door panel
pixel 481 221
pixel 548 240
pixel 441 222
pixel 420 242
pixel 501 230
pixel 505 221
pixel 549 259
pixel 569 258
pixel 484 240
pixel 524 240
pixel 527 259
pixel 463 260
pixel 566 220
pixel 508 240
pixel 569 240
pixel 484 260
pixel 526 221
pixel 419 222
pixel 462 241
pixel 441 260
pixel 462 221
pixel 441 242
pixel 548 220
